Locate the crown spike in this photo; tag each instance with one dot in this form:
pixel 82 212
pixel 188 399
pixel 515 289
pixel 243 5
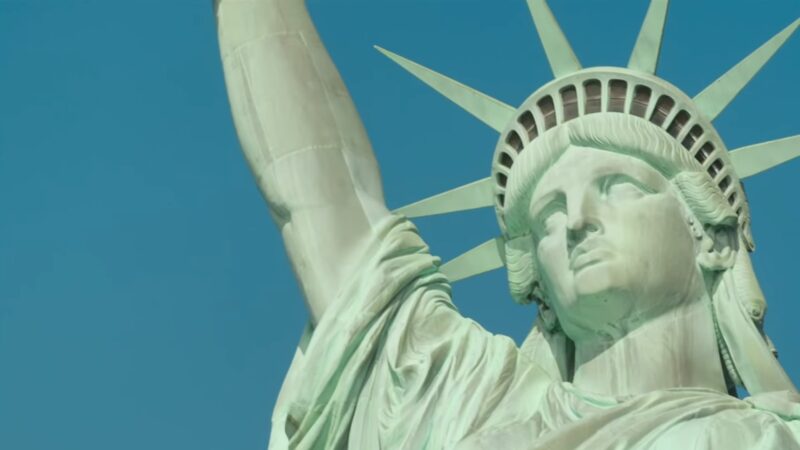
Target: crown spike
pixel 648 45
pixel 477 194
pixel 754 159
pixel 556 46
pixel 490 111
pixel 716 97
pixel 484 258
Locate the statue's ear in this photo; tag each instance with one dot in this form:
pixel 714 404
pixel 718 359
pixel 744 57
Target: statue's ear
pixel 718 246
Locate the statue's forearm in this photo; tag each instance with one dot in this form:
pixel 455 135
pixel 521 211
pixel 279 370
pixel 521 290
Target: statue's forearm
pixel 302 138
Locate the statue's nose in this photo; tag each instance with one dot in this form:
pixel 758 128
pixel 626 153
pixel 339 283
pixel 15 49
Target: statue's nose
pixel 581 220
pixel 577 235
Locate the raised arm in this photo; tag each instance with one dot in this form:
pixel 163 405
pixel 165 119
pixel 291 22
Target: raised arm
pixel 302 138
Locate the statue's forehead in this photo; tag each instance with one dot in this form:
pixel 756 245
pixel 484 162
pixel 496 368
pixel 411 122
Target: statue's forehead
pixel 580 164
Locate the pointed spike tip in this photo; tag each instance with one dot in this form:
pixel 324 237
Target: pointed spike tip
pixel 754 159
pixel 488 110
pixel 477 194
pixel 648 45
pixel 481 259
pixel 559 53
pixel 717 96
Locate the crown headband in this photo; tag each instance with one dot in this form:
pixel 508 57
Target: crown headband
pixel 616 90
pixel 577 92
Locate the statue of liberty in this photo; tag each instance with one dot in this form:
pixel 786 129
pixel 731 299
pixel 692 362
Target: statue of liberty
pixel 622 217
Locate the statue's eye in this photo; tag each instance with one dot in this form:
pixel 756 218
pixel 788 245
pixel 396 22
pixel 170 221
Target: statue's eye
pixel 623 187
pixel 551 219
pixel 555 222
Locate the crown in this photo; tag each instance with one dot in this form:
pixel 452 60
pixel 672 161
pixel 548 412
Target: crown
pixel 576 92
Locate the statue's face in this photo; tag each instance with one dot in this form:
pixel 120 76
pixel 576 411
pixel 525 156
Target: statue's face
pixel 612 241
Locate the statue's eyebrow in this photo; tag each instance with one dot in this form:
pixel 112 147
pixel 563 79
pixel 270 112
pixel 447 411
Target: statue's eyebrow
pixel 544 202
pixel 646 176
pixel 644 183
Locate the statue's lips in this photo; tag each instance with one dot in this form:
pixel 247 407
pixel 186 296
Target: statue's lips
pixel 586 255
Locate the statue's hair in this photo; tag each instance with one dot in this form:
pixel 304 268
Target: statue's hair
pixel 523 276
pixel 704 199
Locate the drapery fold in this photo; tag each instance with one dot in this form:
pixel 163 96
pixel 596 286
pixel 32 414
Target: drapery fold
pixel 393 365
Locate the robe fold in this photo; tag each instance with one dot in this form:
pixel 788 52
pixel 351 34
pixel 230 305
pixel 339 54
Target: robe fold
pixel 393 365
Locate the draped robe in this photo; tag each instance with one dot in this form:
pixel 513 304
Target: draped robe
pixel 393 365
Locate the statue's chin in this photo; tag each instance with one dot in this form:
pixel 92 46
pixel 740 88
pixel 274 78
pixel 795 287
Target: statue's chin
pixel 601 294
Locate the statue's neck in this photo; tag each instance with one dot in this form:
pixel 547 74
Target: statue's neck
pixel 677 349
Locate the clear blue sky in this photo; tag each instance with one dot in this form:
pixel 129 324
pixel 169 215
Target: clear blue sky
pixel 145 298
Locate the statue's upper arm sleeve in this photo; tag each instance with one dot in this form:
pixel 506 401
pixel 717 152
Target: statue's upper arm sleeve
pixel 302 138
